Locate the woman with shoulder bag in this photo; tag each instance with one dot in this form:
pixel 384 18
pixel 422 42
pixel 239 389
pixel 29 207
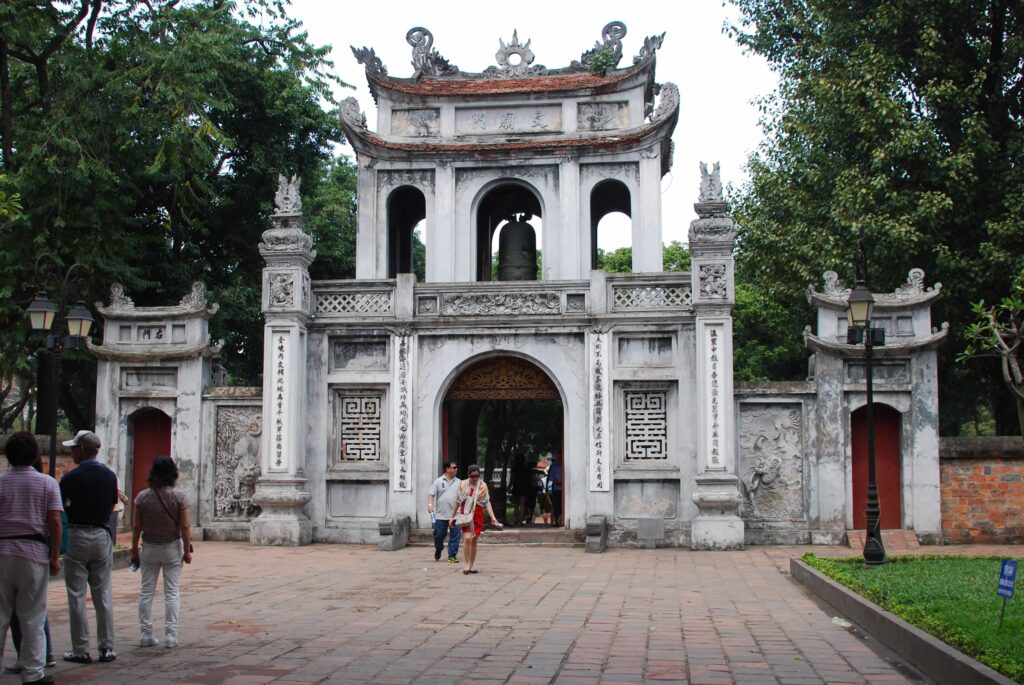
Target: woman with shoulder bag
pixel 160 517
pixel 468 515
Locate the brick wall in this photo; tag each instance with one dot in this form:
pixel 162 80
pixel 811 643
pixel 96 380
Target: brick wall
pixel 982 490
pixel 64 462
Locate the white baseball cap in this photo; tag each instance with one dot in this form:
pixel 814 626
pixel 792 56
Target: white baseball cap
pixel 86 439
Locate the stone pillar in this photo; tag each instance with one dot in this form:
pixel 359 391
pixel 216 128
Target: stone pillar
pixel 647 248
pixel 568 243
pixel 287 299
pixel 718 525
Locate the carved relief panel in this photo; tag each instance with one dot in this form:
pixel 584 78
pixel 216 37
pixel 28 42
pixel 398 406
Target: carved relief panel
pixel 771 463
pixel 359 427
pixel 602 116
pixel 645 424
pixel 415 123
pixel 236 462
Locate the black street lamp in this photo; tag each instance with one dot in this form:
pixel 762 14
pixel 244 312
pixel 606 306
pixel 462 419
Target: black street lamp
pixel 858 313
pixel 43 313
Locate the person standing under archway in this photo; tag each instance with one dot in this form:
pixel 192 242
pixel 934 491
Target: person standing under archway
pixel 472 493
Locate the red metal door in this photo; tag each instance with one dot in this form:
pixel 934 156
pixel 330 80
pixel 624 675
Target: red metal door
pixel 151 438
pixel 887 465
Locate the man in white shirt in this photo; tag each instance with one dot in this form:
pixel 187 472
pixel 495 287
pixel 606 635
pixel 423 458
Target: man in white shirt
pixel 441 503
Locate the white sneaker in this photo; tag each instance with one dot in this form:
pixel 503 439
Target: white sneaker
pixel 148 641
pixel 171 642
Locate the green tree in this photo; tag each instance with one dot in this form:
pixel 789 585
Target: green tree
pixel 999 332
pixel 148 148
pixel 897 123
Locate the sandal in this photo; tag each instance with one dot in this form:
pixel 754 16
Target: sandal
pixel 474 571
pixel 465 572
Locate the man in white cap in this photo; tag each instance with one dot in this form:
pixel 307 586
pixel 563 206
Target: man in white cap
pixel 89 493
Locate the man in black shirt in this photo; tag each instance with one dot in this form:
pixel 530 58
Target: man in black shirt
pixel 89 493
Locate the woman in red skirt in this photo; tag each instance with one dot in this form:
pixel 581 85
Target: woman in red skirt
pixel 471 497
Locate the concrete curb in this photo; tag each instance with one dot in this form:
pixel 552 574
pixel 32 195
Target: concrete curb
pixel 933 657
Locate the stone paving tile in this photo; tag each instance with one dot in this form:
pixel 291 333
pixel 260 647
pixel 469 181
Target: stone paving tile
pixel 350 614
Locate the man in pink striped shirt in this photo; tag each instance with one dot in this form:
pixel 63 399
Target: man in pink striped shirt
pixel 30 533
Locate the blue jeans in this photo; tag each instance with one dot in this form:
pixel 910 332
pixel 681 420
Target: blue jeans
pixel 440 529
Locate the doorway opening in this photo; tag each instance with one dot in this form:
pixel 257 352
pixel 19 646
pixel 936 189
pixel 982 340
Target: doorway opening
pixel 506 415
pixel 149 437
pixel 887 466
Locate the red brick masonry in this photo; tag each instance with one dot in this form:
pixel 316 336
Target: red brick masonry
pixel 982 490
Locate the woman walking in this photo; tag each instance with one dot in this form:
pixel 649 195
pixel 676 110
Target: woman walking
pixel 470 517
pixel 161 518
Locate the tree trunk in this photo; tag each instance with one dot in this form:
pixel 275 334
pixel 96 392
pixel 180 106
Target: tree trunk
pixel 6 108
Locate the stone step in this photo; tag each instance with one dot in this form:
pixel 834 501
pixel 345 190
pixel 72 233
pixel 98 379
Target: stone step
pixel 539 536
pixel 895 540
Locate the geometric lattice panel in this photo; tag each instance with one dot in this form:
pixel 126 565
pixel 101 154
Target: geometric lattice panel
pixel 361 426
pixel 652 297
pixel 353 303
pixel 646 424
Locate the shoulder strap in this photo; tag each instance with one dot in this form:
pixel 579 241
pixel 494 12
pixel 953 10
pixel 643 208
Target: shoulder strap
pixel 176 519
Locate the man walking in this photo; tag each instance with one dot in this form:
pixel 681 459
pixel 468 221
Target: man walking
pixel 29 546
pixel 441 503
pixel 89 493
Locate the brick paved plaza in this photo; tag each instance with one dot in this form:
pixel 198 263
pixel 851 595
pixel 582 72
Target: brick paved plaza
pixel 351 614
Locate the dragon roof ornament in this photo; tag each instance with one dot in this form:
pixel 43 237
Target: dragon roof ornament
pixel 514 59
pixel 426 60
pixel 612 34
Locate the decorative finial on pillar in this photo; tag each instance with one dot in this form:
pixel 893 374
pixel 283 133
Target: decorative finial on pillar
pixel 287 239
pixel 714 224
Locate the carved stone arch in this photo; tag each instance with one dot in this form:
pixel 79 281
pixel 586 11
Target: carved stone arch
pixel 406 207
pixel 494 203
pixel 608 196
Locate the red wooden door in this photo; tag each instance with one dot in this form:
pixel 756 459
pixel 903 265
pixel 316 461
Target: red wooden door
pixel 887 465
pixel 151 438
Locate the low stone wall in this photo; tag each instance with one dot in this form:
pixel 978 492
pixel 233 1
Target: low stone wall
pixel 982 490
pixel 64 462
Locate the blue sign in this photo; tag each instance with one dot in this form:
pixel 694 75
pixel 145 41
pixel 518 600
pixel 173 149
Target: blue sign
pixel 1007 577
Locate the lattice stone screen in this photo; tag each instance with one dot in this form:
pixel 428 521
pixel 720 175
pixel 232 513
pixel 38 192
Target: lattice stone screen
pixel 652 297
pixel 353 303
pixel 359 425
pixel 646 425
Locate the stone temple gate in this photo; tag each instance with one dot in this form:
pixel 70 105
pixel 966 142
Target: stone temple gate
pixel 350 426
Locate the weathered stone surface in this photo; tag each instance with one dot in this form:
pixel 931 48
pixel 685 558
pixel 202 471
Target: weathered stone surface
pixel 394 533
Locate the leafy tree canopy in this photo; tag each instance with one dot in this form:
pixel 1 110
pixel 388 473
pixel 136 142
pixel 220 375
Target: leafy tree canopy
pixel 897 123
pixel 145 139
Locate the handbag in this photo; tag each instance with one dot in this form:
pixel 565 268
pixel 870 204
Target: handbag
pixel 465 518
pixel 176 519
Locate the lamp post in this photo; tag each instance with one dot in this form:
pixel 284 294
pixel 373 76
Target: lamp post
pixel 858 313
pixel 43 313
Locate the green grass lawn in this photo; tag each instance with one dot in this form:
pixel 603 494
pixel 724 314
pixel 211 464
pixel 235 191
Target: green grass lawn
pixel 952 597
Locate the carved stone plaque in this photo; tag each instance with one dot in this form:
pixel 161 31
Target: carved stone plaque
pixel 149 378
pixel 516 119
pixel 236 462
pixel 359 425
pixel 771 461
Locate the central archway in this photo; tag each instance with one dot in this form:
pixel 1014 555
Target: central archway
pixel 505 414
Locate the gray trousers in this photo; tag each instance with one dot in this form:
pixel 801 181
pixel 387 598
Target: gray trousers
pixel 154 558
pixel 23 588
pixel 87 566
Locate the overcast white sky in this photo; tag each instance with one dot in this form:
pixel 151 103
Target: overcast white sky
pixel 718 83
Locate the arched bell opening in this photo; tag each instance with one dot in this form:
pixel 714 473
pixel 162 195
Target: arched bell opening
pixel 611 224
pixel 407 211
pixel 509 229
